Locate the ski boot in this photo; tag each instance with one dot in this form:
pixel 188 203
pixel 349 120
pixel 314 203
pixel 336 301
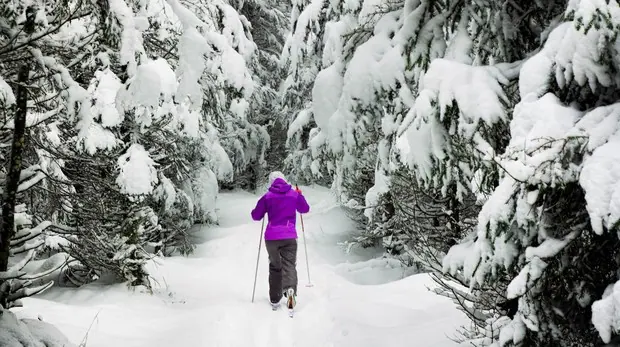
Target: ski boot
pixel 290 301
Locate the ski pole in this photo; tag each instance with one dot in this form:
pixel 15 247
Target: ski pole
pixel 303 233
pixel 260 243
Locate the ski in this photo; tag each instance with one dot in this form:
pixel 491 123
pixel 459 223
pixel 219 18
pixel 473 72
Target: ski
pixel 276 307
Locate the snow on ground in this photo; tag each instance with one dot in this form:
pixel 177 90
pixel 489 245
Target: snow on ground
pixel 205 299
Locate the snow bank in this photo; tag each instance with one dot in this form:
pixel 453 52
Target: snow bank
pixel 373 271
pixel 16 332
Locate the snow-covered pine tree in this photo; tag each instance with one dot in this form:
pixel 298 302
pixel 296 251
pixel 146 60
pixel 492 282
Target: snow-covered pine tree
pixel 238 113
pixel 359 110
pixel 371 60
pixel 265 24
pixel 174 134
pixel 301 59
pixel 421 30
pixel 447 138
pixel 432 209
pixel 129 169
pixel 547 235
pixel 20 235
pixel 454 143
pixel 339 135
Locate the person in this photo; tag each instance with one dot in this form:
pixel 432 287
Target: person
pixel 281 204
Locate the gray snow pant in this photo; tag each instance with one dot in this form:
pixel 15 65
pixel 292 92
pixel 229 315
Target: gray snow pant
pixel 282 267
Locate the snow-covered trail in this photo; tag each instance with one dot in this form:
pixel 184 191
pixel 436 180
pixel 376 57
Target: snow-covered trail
pixel 204 299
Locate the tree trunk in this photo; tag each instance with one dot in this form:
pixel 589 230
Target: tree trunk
pixel 7 221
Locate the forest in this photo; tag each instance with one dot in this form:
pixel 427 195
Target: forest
pixel 473 140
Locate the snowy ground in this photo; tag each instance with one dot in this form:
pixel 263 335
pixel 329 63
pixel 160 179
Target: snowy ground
pixel 204 300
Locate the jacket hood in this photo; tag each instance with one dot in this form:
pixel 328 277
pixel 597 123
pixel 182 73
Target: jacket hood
pixel 279 186
pixel 274 175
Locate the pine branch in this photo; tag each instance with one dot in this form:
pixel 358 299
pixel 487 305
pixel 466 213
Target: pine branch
pixel 9 47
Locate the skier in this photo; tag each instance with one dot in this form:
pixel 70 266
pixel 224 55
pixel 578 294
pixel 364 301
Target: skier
pixel 280 204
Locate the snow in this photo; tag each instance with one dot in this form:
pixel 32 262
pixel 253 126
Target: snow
pixel 460 46
pixel 537 71
pixel 600 177
pixel 137 174
pixel 6 93
pixel 299 40
pixel 235 32
pixel 104 96
pixel 423 141
pixel 590 10
pixel 233 67
pixel 222 165
pixel 376 65
pixel 203 190
pixel 153 80
pixel 547 135
pixel 239 107
pixel 535 142
pixel 226 53
pixel 476 89
pixel 93 135
pixel 334 39
pixel 25 185
pixel 531 272
pixel 605 312
pixel 571 54
pixel 550 247
pixel 326 93
pixel 205 299
pixel 425 135
pixel 56 242
pixel 513 332
pixel 29 332
pixel 192 48
pixel 302 119
pixel 131 37
pixel 189 121
pixel 165 191
pixel 381 186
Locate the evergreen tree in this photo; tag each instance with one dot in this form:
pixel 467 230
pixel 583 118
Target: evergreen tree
pixel 137 111
pixel 427 118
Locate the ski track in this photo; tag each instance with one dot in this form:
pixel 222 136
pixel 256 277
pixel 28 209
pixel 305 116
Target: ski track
pixel 204 299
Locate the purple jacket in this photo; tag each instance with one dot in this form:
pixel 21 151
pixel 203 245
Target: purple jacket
pixel 281 204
